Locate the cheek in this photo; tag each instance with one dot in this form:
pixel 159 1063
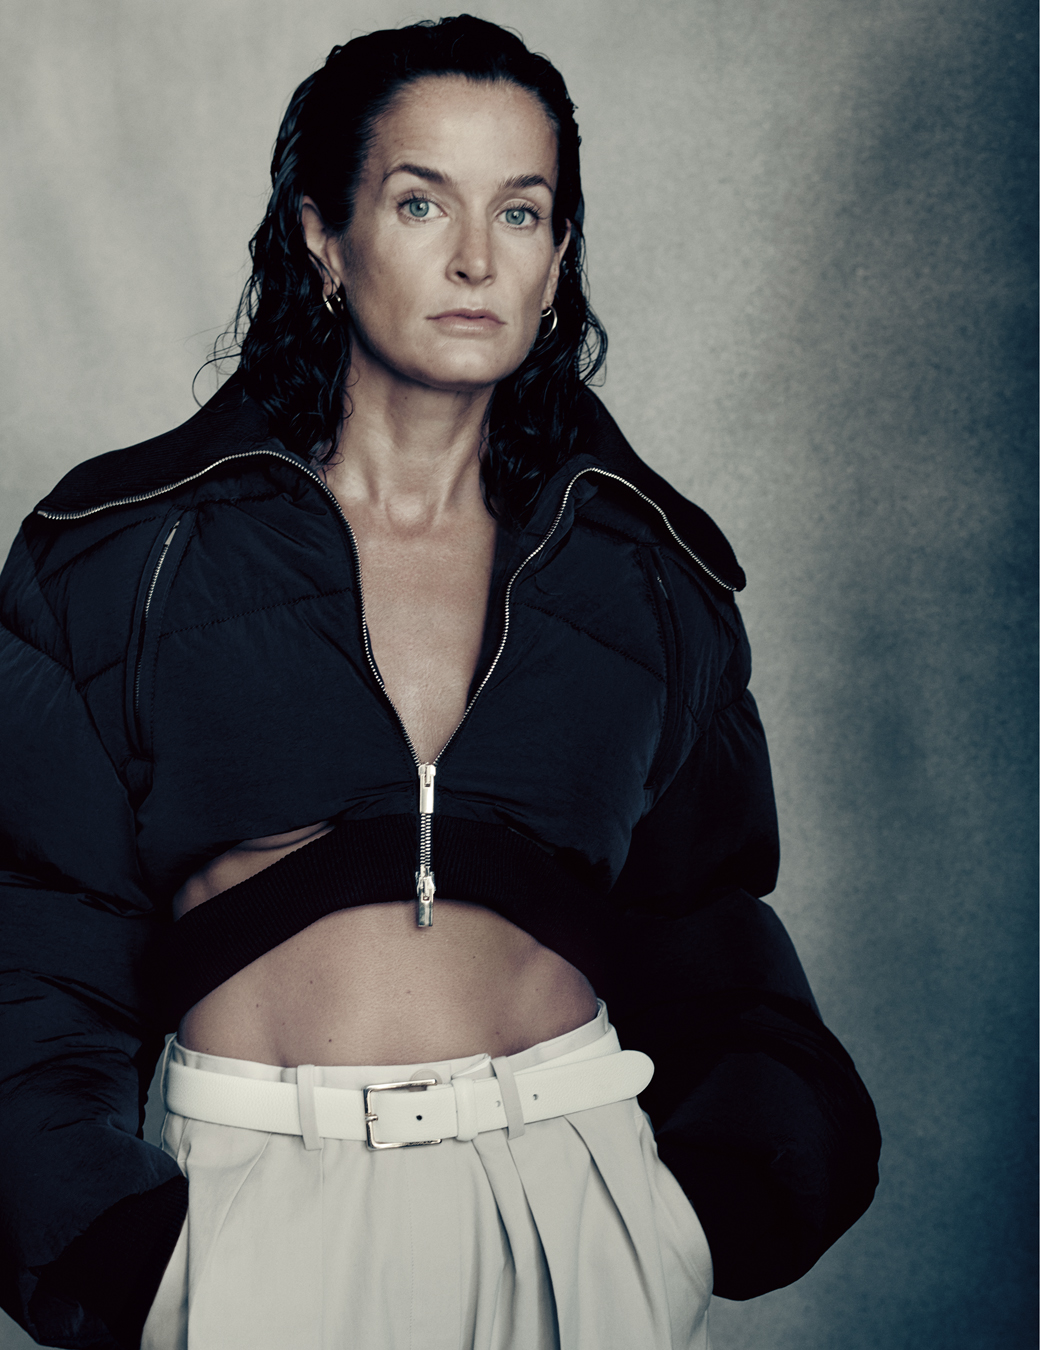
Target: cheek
pixel 374 267
pixel 528 270
pixel 376 279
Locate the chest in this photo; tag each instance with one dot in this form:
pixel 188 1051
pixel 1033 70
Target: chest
pixel 425 598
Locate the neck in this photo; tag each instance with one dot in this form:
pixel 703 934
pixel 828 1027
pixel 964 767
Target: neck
pixel 406 450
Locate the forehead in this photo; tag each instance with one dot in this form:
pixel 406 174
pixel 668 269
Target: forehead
pixel 465 128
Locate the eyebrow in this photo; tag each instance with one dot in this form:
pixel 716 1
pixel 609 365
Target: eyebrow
pixel 520 181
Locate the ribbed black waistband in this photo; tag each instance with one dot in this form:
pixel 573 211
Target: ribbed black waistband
pixel 366 862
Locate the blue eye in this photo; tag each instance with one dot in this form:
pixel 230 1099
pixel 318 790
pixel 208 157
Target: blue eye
pixel 516 215
pixel 418 208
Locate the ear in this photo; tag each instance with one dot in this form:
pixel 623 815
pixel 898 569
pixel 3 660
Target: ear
pixel 319 242
pixel 554 270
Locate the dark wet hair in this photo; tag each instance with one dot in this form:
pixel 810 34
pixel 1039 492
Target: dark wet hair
pixel 294 354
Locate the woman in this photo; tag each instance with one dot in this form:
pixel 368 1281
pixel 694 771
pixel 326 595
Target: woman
pixel 420 704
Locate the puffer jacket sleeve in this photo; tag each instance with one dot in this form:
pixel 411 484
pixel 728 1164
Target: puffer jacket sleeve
pixel 757 1108
pixel 90 1212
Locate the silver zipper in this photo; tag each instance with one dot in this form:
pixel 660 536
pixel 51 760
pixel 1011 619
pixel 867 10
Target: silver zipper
pixel 158 566
pixel 605 473
pixel 425 884
pixel 148 604
pixel 181 482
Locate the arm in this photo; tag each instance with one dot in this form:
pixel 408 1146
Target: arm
pixel 90 1212
pixel 758 1111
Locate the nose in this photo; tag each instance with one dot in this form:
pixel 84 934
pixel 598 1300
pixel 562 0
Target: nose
pixel 472 260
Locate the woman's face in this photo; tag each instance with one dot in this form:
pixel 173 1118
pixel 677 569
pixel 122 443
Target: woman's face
pixel 449 257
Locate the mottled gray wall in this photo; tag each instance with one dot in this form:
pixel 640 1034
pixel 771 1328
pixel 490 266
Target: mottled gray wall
pixel 809 238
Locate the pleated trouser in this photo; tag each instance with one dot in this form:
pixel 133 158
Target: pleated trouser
pixel 571 1236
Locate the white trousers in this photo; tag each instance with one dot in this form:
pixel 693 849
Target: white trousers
pixel 571 1236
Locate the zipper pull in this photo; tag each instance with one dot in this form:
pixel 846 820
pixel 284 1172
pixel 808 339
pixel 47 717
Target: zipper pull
pixel 427 773
pixel 425 886
pixel 425 889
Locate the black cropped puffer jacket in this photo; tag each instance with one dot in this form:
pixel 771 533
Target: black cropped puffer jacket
pixel 185 665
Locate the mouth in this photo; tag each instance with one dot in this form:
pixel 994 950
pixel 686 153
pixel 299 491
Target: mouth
pixel 479 318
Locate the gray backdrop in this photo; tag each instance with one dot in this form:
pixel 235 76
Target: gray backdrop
pixel 809 239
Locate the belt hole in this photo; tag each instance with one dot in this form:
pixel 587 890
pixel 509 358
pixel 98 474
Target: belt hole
pixel 418 1117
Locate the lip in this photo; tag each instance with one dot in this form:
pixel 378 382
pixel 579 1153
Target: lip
pixel 482 317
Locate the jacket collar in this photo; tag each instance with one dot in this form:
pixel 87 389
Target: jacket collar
pixel 600 438
pixel 232 426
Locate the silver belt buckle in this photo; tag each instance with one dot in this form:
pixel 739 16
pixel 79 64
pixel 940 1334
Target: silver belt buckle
pixel 414 1085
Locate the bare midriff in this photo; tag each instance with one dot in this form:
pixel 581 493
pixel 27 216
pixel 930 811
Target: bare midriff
pixel 366 986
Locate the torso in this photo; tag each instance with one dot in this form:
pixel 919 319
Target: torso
pixel 365 985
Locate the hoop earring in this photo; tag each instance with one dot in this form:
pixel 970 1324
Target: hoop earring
pixel 545 314
pixel 327 301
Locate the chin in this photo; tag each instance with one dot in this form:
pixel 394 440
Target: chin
pixel 464 376
pixel 459 365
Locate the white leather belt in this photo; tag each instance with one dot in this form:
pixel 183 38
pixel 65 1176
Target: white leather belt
pixel 396 1115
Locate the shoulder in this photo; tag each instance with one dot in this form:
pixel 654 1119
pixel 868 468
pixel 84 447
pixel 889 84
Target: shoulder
pixel 695 564
pixel 692 573
pixel 83 547
pixel 683 527
pixel 122 492
pixel 229 426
